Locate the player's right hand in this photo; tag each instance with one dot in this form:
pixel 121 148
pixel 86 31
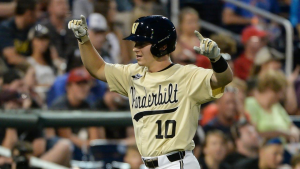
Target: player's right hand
pixel 79 28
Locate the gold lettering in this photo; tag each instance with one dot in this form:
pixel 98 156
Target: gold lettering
pixel 134 26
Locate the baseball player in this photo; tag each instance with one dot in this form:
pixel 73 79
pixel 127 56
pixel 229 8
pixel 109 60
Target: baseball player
pixel 165 98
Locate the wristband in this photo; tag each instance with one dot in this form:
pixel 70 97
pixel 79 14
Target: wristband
pixel 83 39
pixel 220 65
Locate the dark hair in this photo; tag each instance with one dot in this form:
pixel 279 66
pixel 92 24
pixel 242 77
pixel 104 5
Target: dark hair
pixel 46 56
pixel 217 133
pixel 24 5
pixel 235 129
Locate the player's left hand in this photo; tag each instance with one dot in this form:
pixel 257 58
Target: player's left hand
pixel 208 48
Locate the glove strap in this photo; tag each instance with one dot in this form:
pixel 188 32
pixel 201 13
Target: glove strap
pixel 215 59
pixel 83 39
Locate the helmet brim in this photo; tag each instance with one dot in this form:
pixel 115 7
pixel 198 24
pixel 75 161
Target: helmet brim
pixel 139 39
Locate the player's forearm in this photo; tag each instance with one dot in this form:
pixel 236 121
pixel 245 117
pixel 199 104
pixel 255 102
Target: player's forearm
pixel 222 79
pixel 90 58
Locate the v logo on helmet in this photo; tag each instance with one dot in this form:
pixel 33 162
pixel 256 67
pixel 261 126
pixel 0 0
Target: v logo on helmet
pixel 134 26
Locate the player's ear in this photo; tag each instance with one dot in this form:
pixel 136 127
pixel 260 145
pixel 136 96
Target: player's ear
pixel 163 47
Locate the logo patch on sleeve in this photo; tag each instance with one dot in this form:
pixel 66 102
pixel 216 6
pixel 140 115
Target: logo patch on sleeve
pixel 136 77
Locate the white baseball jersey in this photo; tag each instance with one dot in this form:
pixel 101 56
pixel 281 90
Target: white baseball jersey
pixel 165 105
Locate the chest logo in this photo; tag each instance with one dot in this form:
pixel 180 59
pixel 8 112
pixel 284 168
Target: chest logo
pixel 161 97
pixel 136 77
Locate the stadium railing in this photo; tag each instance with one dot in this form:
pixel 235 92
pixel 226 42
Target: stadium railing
pixel 48 118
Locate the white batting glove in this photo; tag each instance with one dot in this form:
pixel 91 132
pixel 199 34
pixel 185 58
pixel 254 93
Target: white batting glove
pixel 208 48
pixel 79 27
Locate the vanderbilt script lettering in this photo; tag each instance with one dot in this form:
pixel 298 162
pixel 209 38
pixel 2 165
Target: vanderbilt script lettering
pixel 169 95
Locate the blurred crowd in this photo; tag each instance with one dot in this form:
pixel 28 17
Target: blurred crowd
pixel 248 128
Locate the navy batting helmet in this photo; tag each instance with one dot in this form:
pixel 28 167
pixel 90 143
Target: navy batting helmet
pixel 157 30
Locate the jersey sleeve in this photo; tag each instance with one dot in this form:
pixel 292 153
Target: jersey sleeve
pixel 198 85
pixel 117 76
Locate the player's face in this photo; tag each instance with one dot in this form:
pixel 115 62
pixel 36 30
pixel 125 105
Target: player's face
pixel 143 54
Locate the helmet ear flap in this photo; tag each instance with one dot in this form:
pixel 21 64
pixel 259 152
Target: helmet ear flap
pixel 157 51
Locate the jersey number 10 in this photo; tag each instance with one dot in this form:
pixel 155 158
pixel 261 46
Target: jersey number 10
pixel 167 124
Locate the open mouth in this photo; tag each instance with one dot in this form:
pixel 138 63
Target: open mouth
pixel 138 56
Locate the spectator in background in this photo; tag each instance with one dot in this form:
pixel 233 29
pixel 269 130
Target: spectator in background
pixel 58 88
pixel 116 47
pixel 13 81
pixel 14 45
pixel 82 7
pixel 60 153
pixel 270 156
pixel 133 157
pixel 269 59
pixel 214 151
pixel 266 113
pixel 226 113
pixel 147 7
pixel 253 40
pixel 236 19
pixel 295 162
pixel 78 87
pixel 266 59
pixel 98 30
pixel 246 141
pixel 60 37
pixel 42 13
pixel 184 52
pixel 7 9
pixel 43 72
